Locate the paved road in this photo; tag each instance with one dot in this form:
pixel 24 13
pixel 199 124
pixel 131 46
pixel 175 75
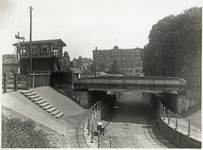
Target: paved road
pixel 132 125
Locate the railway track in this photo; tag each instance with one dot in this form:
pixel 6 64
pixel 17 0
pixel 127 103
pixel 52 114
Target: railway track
pixel 80 133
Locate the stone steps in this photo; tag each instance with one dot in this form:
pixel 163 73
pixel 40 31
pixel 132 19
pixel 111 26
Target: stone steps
pixel 48 107
pixel 55 112
pixel 51 109
pixel 59 115
pixel 30 94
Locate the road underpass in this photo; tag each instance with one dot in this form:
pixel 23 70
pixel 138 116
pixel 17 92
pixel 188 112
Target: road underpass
pixel 131 124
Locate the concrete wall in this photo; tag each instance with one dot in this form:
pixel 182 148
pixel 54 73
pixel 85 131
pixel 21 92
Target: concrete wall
pixel 174 136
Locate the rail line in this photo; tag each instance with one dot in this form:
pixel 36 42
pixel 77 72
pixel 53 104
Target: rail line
pixel 80 133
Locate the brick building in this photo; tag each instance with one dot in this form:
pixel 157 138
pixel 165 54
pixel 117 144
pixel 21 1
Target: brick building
pixel 129 60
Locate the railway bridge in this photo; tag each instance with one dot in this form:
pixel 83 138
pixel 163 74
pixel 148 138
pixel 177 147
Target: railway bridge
pixel 115 83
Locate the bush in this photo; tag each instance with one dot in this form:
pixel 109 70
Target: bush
pixel 22 134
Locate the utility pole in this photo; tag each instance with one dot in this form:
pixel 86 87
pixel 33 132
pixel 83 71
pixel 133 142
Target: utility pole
pixel 31 37
pixel 96 62
pixel 18 50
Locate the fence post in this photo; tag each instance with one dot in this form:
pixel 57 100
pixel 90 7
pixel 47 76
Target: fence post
pixel 160 108
pixel 33 80
pixel 91 113
pixel 72 79
pixel 15 82
pixel 98 132
pixel 27 81
pixel 168 117
pixel 164 114
pixel 110 143
pixel 88 133
pixel 188 127
pixel 88 120
pixel 5 83
pixel 92 134
pixel 176 122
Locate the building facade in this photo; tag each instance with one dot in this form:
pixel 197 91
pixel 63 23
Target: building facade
pixel 46 55
pixel 129 60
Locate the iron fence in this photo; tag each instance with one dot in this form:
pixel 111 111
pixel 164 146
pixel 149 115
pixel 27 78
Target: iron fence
pixel 94 116
pixel 180 123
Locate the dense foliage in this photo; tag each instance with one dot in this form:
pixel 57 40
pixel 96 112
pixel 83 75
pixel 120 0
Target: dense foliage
pixel 66 60
pixel 19 134
pixel 174 47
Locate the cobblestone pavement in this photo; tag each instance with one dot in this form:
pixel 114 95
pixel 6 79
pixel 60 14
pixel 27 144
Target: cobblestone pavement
pixel 132 125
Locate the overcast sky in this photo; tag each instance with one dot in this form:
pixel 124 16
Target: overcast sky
pixel 85 24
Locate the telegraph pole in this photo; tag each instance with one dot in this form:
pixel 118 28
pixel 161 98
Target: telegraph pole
pixel 96 62
pixel 31 37
pixel 18 50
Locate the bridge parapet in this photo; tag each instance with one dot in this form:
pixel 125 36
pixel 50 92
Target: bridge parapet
pixel 130 83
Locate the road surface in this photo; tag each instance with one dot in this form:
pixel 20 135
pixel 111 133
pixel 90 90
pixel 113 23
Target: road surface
pixel 131 124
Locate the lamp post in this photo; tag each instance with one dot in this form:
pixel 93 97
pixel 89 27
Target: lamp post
pixel 31 38
pixel 18 50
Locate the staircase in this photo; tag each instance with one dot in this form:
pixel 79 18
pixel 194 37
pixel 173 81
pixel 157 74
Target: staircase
pixel 60 63
pixel 30 94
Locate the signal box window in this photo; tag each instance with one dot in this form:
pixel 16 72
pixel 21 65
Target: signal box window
pixel 34 50
pixel 24 51
pixel 44 50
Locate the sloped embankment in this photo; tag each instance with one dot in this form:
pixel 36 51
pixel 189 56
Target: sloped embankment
pixel 19 131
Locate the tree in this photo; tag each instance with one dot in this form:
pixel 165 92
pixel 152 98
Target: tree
pixel 174 46
pixel 115 67
pixel 66 60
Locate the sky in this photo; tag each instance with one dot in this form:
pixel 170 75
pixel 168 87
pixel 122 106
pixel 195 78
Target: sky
pixel 85 24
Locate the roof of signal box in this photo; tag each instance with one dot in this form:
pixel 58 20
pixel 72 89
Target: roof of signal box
pixel 41 41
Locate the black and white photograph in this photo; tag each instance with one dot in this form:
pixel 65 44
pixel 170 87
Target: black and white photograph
pixel 101 74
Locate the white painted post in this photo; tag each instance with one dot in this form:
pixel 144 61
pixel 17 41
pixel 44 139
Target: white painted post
pixel 92 134
pixel 176 122
pixel 168 117
pixel 110 143
pixel 164 114
pixel 98 132
pixel 188 127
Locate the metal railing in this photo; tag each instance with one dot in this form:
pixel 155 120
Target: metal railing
pixel 93 118
pixel 104 142
pixel 179 123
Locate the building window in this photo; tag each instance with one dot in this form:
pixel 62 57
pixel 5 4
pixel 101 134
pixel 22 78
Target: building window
pixel 44 50
pixel 137 71
pixel 34 50
pixel 131 58
pixel 24 51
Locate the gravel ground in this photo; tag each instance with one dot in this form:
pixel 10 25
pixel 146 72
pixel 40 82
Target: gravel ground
pixel 132 125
